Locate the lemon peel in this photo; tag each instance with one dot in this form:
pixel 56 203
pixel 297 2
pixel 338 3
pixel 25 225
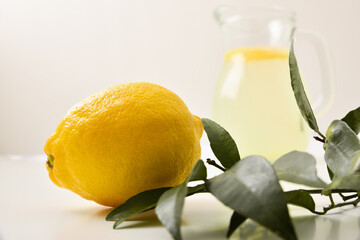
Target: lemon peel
pixel 124 140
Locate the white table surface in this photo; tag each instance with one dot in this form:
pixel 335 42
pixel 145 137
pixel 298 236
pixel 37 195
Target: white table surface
pixel 32 207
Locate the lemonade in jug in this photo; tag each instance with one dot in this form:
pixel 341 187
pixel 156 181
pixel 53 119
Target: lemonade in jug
pixel 253 97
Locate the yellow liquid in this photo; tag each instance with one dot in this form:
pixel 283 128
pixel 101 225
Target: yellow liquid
pixel 254 101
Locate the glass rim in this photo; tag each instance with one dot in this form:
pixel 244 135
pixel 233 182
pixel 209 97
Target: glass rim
pixel 226 14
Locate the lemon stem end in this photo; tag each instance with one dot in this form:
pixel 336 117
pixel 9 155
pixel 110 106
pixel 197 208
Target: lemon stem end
pixel 50 161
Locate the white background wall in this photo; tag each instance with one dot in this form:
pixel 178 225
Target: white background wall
pixel 55 53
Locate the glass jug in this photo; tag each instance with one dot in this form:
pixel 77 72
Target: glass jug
pixel 253 98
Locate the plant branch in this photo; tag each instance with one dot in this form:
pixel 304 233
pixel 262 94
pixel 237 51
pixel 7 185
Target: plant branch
pixel 345 198
pixel 333 205
pixel 326 209
pixel 212 162
pixel 197 189
pixel 322 136
pixel 319 139
pixel 319 191
pixel 331 200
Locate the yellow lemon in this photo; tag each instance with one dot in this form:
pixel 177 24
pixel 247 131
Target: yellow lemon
pixel 124 140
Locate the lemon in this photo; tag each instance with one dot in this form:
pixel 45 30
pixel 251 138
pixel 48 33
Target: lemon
pixel 124 140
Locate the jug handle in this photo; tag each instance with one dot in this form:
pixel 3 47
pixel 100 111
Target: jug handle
pixel 325 100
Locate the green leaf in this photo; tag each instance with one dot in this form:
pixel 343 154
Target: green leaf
pixel 331 174
pixel 136 204
pixel 340 146
pixel 298 167
pixel 235 221
pixel 171 203
pixel 352 119
pixel 350 181
pixel 252 189
pixel 347 182
pixel 197 173
pixel 222 144
pixel 300 198
pixel 169 209
pixel 299 92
